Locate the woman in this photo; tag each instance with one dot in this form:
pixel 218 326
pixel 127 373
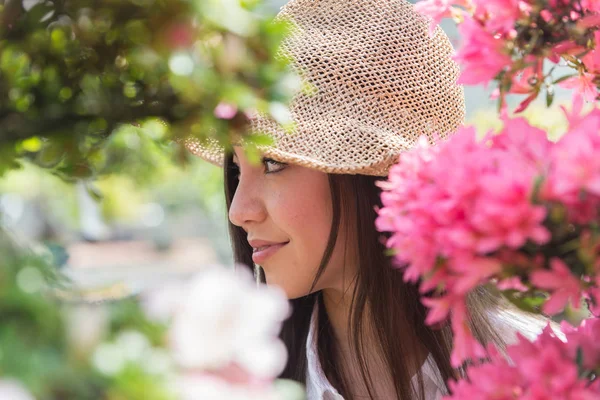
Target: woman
pixel 306 213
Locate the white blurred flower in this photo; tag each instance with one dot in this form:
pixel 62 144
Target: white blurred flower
pixel 160 303
pixel 226 319
pixel 13 390
pixel 108 359
pixel 196 386
pixel 221 318
pixel 86 326
pixel 133 345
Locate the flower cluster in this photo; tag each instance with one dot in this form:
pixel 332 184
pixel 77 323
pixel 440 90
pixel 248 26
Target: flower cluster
pixel 223 334
pixel 513 209
pixel 14 390
pixel 547 368
pixel 509 40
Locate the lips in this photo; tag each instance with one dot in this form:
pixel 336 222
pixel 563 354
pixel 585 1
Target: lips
pixel 262 250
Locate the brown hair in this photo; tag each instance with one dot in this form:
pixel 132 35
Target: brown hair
pixel 397 313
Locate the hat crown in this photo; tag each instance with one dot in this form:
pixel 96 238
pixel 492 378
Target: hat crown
pixel 380 81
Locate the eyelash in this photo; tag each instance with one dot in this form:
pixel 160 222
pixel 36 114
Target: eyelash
pixel 278 164
pixel 265 161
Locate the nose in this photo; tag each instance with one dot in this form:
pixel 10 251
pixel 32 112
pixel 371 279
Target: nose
pixel 247 206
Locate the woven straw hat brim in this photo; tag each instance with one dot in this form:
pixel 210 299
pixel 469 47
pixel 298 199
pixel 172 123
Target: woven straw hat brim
pixel 380 81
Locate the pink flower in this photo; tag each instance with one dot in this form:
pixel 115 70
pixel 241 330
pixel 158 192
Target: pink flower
pixel 225 111
pixel 512 283
pixel 564 287
pixel 526 141
pixel 180 35
pixel 439 9
pixel 545 364
pixel 591 5
pixel 482 55
pixel 439 308
pixel 589 21
pixel 544 369
pixel 469 272
pixel 592 59
pixel 465 345
pixel 585 337
pixel 451 206
pixel 576 165
pixel 566 47
pixel 582 85
pixel 436 10
pixel 593 296
pixel 501 15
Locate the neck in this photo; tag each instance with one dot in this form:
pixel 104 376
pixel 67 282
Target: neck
pixel 338 307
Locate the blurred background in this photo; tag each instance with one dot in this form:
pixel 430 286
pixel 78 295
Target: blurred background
pixel 157 219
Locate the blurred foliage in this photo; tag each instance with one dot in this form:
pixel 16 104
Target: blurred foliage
pixel 34 345
pixel 550 119
pixel 102 92
pixel 122 195
pixel 77 76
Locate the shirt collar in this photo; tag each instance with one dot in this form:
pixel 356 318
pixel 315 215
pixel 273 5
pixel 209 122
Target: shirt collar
pixel 319 388
pixel 317 384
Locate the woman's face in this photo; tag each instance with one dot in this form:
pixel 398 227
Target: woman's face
pixel 286 211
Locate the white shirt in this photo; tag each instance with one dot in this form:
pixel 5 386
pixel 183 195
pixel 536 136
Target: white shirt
pixel 319 388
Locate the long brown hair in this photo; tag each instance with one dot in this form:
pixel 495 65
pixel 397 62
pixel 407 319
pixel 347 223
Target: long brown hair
pixel 394 306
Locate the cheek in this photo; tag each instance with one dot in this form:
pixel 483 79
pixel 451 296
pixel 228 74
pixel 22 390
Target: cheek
pixel 310 224
pixel 304 213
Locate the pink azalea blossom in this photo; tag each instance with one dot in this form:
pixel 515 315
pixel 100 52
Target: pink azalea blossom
pixel 583 85
pixel 180 35
pixel 567 47
pixel 436 10
pixel 543 369
pixel 501 15
pixel 440 9
pixel 225 111
pixel 564 287
pixel 451 205
pixel 589 21
pixel 576 166
pixel 585 337
pixel 465 345
pixel 482 55
pixel 512 283
pixel 593 297
pixel 592 59
pixel 591 5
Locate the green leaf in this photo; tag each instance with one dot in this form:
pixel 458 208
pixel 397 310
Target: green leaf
pixel 579 358
pixel 51 155
pixel 549 96
pixel 94 191
pixel 563 78
pixel 390 252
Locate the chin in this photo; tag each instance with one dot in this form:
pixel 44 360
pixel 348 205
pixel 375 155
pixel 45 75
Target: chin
pixel 291 291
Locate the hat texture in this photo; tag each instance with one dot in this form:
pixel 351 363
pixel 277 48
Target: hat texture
pixel 380 81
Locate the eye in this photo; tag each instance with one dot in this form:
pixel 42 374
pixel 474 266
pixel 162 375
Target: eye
pixel 234 170
pixel 272 166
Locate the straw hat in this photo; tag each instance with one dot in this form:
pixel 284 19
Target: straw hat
pixel 381 81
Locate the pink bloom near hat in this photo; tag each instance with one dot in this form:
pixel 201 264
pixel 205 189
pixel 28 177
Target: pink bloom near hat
pixel 380 81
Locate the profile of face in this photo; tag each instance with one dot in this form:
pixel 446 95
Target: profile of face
pixel 286 211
